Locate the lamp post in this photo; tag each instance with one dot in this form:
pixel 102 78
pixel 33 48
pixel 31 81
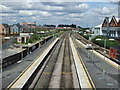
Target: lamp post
pixel 89 45
pixel 104 53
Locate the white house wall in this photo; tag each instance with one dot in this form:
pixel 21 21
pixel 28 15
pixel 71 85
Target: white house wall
pixel 114 31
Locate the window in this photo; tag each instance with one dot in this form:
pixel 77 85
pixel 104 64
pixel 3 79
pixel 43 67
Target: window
pixel 97 28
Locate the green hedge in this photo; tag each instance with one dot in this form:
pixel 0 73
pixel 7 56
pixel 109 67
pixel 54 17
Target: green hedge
pixel 101 42
pixel 85 36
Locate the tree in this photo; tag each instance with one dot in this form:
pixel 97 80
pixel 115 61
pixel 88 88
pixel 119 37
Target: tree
pixel 72 25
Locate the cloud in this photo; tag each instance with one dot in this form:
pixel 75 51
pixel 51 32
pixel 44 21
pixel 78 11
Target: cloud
pixel 43 7
pixel 54 12
pixel 7 15
pixel 5 9
pixel 25 12
pixel 77 8
pixel 47 6
pixel 113 1
pixel 13 20
pixel 17 5
pixel 76 15
pixel 59 1
pixel 32 12
pixel 58 13
pixel 31 6
pixel 102 11
pixel 83 6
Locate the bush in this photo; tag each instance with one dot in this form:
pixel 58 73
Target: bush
pixel 86 37
pixel 15 42
pixel 29 41
pixel 35 37
pixel 101 42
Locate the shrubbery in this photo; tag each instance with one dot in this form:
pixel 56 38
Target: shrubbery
pixel 33 38
pixel 15 42
pixel 101 42
pixel 85 36
pixel 29 41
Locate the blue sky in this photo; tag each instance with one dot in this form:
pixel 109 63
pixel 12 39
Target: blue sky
pixel 80 13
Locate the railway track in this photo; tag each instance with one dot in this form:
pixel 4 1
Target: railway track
pixel 83 40
pixel 66 80
pixel 57 66
pixel 100 50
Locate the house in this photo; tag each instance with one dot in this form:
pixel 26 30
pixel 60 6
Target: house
pixel 114 28
pixel 102 29
pixel 31 26
pixel 97 30
pixel 24 24
pixel 28 24
pixel 28 27
pixel 4 29
pixel 15 29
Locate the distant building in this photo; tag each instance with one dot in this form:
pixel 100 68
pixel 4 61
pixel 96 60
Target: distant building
pixel 4 29
pixel 28 24
pixel 97 30
pixel 24 24
pixel 114 27
pixel 15 29
pixel 27 27
pixel 23 37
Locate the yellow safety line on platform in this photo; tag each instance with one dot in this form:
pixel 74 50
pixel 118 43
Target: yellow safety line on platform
pixel 110 63
pixel 86 70
pixel 36 61
pixel 82 67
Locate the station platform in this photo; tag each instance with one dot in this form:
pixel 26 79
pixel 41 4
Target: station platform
pixel 104 73
pixel 11 72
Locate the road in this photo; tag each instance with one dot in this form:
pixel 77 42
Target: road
pixel 7 44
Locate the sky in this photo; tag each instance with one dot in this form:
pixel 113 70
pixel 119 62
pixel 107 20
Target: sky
pixel 85 14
